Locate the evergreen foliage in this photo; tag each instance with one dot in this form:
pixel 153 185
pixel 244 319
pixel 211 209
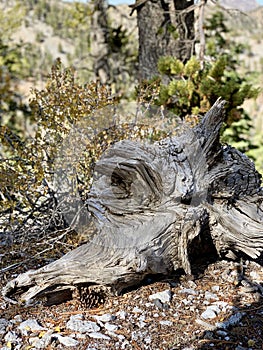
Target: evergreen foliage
pixel 189 90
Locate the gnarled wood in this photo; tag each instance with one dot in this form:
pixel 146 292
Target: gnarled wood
pixel 150 203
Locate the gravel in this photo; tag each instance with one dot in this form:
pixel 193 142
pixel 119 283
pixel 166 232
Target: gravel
pixel 188 315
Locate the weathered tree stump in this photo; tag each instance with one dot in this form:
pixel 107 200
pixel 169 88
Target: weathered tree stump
pixel 150 207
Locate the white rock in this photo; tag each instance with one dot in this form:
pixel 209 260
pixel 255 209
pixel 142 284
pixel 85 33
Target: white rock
pixel 112 334
pixel 120 337
pixel 41 343
pixel 142 318
pixel 11 337
pixel 67 341
pixel 105 317
pixel 124 344
pixel 224 306
pixel 30 325
pixel 166 323
pixel 111 327
pixel 137 310
pixel 98 335
pixel 34 340
pixel 135 335
pixel 215 288
pixel 78 325
pixel 215 308
pixel 188 291
pixel 221 304
pixel 164 297
pixel 159 304
pixel 3 324
pixel 147 340
pixel 209 295
pixel 208 313
pixel 141 324
pixel 122 314
pixel 17 319
pixel 78 316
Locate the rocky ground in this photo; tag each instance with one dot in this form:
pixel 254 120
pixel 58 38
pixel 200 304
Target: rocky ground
pixel 219 309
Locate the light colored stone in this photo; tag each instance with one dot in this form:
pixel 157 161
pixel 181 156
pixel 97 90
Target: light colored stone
pixel 164 297
pixel 188 291
pixel 110 327
pixel 215 288
pixel 41 343
pixel 223 305
pixel 78 325
pixel 148 339
pixel 209 296
pixel 3 324
pixel 122 314
pixel 11 337
pixel 98 335
pixel 30 325
pixel 141 324
pixel 67 341
pixel 137 310
pixel 105 318
pixel 166 323
pixel 17 319
pixel 209 313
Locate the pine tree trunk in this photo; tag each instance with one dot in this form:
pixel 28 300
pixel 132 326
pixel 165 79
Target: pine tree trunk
pixel 100 41
pixel 154 207
pixel 165 29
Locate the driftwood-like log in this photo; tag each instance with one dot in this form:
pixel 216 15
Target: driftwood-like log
pixel 151 205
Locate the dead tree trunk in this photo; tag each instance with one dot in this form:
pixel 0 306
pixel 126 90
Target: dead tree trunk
pixel 150 206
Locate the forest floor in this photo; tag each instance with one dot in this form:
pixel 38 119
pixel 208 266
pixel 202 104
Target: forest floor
pixel 220 308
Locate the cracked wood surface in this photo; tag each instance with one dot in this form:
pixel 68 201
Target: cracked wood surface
pixel 155 206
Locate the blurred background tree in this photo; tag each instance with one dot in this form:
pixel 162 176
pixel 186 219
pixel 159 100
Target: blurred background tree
pixel 190 87
pixel 13 67
pixel 164 29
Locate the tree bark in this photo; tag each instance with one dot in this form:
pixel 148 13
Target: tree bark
pixel 100 42
pixel 165 29
pixel 153 208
